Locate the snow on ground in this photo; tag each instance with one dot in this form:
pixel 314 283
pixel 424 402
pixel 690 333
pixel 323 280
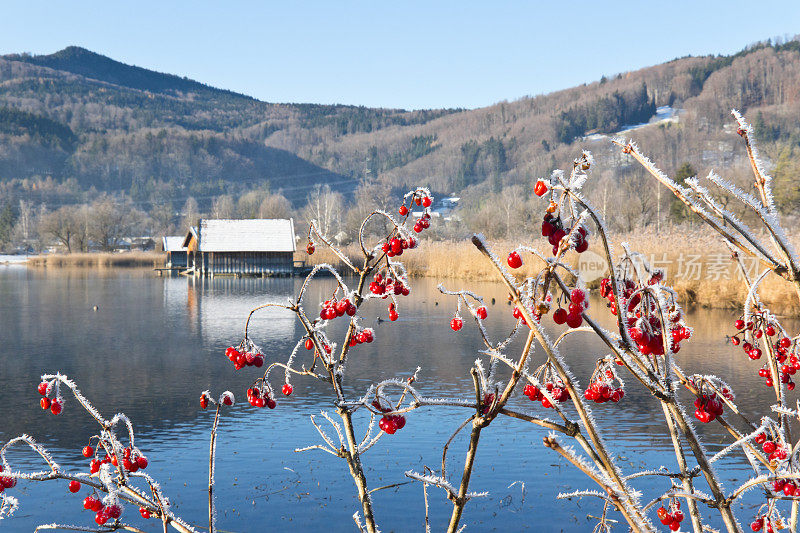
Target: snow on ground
pixel 664 114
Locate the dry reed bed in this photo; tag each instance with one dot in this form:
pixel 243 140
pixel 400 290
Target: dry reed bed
pixel 99 260
pixel 697 265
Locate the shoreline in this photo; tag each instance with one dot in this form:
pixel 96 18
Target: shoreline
pixel 97 260
pixel 697 266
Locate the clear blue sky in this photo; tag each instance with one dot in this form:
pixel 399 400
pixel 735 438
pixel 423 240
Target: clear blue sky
pixel 411 54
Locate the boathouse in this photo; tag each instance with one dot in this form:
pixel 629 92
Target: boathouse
pixel 175 250
pixel 255 247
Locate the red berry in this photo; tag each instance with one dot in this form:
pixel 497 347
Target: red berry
pixel 114 511
pixel 45 403
pixel 74 486
pixel 42 388
pixel 203 401
pixel 101 517
pixel 56 407
pixel 540 188
pixel 514 260
pixel 88 451
pixel 577 296
pixel 574 320
pixel 271 403
pixel 403 210
pixel 144 512
pixel 89 502
pixel 141 462
pixel 456 323
pixel 426 202
pixel 481 313
pixel 287 389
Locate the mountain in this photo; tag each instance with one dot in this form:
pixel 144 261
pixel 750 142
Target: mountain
pixel 88 64
pixel 86 119
pixel 125 128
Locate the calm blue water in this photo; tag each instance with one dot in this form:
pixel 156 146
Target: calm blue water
pixel 156 343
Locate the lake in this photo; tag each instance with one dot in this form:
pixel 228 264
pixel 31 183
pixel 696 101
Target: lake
pixel 156 343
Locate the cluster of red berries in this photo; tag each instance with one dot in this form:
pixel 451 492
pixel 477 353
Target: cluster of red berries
pixel 673 517
pixel 708 408
pixel 775 451
pixel 104 512
pixel 384 286
pixel 749 333
pixel 56 405
pixel 389 423
pixel 365 335
pixel 422 222
pixel 241 359
pixel 6 482
pixel 486 404
pixel 578 303
pixel 789 488
pixel 644 322
pixel 395 246
pixel 335 308
pixel 553 229
pixel 601 387
pixel 393 312
pixel 261 398
pixel 419 199
pixel 763 522
pixel 556 390
pixel 130 462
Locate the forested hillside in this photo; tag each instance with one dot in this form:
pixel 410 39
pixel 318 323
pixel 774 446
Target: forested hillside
pixel 125 128
pixel 76 124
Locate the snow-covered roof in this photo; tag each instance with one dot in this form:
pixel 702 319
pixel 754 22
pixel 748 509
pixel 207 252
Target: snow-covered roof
pixel 254 235
pixel 173 243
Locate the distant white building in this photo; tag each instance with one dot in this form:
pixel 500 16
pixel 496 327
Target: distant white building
pixel 241 247
pixel 175 250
